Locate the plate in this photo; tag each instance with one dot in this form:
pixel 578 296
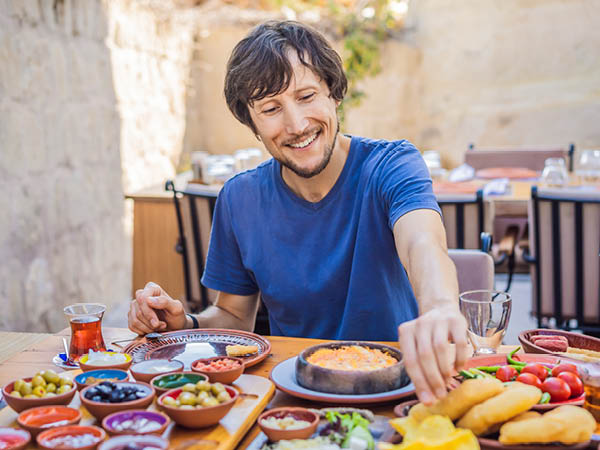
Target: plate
pixel 284 377
pixel 576 340
pixel 500 360
pixel 190 345
pixel 60 360
pixel 507 172
pixel 489 443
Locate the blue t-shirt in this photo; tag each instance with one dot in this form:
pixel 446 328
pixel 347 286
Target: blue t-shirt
pixel 328 269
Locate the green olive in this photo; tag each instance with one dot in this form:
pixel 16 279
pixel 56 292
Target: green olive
pixel 65 381
pixel 51 376
pixel 169 401
pixel 217 388
pixel 50 387
pixel 203 385
pixel 38 380
pixel 16 394
pixel 63 388
pixel 49 394
pixel 39 391
pixel 189 387
pixel 26 388
pixel 201 396
pixel 223 397
pixel 18 385
pixel 30 396
pixel 187 398
pixel 211 401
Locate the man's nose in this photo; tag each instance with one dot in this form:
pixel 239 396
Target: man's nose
pixel 295 120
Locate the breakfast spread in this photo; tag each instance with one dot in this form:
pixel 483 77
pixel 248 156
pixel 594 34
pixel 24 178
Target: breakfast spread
pixel 352 357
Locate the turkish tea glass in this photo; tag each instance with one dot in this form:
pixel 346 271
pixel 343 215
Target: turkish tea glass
pixel 590 375
pixel 86 328
pixel 487 313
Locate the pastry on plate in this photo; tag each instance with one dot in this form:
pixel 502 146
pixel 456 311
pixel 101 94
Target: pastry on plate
pixel 241 350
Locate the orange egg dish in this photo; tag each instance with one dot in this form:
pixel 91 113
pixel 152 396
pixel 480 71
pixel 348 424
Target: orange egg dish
pixel 353 357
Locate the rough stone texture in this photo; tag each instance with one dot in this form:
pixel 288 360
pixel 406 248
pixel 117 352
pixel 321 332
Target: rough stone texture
pixel 61 228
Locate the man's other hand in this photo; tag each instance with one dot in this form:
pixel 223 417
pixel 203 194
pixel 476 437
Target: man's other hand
pixel 154 310
pixel 430 358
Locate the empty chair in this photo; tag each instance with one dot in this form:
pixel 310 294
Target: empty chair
pixel 463 217
pixel 530 158
pixel 564 249
pixel 475 269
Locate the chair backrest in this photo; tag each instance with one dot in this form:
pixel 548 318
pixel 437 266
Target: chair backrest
pixel 565 245
pixel 531 158
pixel 463 218
pixel 194 207
pixel 475 269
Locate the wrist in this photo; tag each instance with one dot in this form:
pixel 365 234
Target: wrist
pixel 191 321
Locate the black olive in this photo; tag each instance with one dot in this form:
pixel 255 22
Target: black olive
pixel 140 394
pixel 131 397
pixel 114 397
pixel 96 398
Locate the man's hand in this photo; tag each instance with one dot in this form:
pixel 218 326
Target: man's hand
pixel 429 357
pixel 154 310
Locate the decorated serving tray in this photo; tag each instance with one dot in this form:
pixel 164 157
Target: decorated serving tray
pixel 190 345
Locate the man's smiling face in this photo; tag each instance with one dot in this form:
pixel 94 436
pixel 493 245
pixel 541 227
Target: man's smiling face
pixel 299 126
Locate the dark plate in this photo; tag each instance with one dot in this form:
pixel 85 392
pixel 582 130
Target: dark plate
pixel 284 377
pixel 491 443
pixel 190 345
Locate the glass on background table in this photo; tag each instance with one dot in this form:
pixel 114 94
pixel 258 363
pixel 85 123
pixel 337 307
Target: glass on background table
pixel 487 313
pixel 86 328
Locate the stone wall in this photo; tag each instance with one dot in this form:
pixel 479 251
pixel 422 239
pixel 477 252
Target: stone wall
pixel 61 196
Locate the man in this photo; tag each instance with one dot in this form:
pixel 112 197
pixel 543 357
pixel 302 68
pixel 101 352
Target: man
pixel 332 231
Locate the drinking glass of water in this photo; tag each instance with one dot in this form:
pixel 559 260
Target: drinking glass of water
pixel 487 313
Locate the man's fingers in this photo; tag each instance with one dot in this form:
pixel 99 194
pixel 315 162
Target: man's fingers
pixel 147 313
pixel 458 332
pixel 443 350
pixel 428 360
pixel 135 324
pixel 411 363
pixel 152 289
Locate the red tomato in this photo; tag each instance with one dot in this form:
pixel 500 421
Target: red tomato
pixel 529 378
pixel 564 367
pixel 506 373
pixel 558 389
pixel 573 381
pixel 536 369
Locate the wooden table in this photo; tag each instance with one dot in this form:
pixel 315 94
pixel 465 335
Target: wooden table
pixel 38 356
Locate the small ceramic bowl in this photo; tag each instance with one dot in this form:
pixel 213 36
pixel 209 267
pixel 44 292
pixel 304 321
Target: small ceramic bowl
pixel 278 434
pixel 135 442
pixel 150 368
pixel 94 435
pixel 100 409
pixel 85 366
pixel 221 376
pixel 193 376
pixel 36 420
pixel 83 379
pixel 121 422
pixel 21 404
pixel 197 417
pixel 13 438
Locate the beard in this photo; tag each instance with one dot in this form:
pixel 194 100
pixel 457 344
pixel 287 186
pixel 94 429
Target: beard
pixel 309 173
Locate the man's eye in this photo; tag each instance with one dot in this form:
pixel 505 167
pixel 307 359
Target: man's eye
pixel 308 97
pixel 269 110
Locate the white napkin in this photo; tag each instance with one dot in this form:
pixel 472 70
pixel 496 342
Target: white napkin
pixel 497 186
pixel 464 172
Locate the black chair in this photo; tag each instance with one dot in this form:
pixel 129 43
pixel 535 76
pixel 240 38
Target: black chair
pixel 564 253
pixel 195 207
pixel 464 220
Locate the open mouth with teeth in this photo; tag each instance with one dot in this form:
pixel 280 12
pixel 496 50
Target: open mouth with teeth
pixel 301 145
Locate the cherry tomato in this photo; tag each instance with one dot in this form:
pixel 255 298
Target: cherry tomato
pixel 506 373
pixel 564 367
pixel 536 369
pixel 529 378
pixel 558 389
pixel 573 381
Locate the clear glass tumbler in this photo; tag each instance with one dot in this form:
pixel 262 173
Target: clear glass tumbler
pixel 555 172
pixel 487 314
pixel 86 328
pixel 589 165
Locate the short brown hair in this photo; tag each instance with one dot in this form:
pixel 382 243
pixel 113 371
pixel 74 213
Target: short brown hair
pixel 259 67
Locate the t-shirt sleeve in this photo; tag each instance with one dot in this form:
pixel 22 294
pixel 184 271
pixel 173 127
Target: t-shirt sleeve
pixel 224 269
pixel 405 183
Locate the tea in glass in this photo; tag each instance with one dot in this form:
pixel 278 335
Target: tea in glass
pixel 86 328
pixel 590 375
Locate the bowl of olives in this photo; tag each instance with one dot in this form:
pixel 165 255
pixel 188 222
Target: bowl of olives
pixel 198 405
pixel 108 397
pixel 164 383
pixel 45 388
